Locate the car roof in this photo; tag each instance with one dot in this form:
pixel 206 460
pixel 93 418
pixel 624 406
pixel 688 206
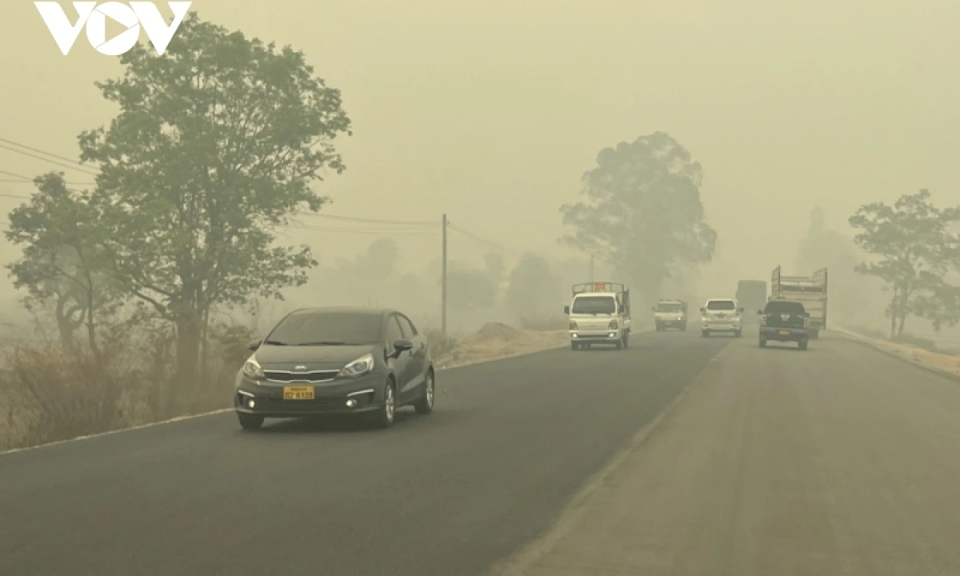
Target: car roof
pixel 786 301
pixel 611 294
pixel 721 299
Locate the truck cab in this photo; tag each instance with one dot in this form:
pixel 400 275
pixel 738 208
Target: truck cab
pixel 670 314
pixel 599 314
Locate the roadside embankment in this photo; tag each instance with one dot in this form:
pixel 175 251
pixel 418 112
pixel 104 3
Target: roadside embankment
pixel 945 363
pixel 495 340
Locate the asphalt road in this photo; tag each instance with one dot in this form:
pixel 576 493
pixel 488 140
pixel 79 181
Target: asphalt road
pixel 715 457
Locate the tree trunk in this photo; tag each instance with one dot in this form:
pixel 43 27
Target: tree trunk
pixel 893 312
pixel 65 327
pixel 188 346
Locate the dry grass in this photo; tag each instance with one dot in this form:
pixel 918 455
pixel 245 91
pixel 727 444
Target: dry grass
pixel 48 395
pixel 496 340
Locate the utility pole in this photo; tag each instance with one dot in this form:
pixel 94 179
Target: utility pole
pixel 443 283
pixel 591 267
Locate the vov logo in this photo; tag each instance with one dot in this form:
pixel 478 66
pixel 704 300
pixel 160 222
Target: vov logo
pixel 94 18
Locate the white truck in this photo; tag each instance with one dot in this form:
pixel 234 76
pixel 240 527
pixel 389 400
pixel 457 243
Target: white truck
pixel 599 314
pixel 670 314
pixel 811 291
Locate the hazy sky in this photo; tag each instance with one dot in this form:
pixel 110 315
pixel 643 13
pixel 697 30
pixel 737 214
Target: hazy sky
pixel 492 111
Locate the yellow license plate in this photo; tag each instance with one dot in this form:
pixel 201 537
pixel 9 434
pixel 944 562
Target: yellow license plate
pixel 298 393
pixel 784 332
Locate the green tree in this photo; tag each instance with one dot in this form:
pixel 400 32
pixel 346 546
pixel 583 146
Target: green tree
pixel 532 288
pixel 63 262
pixel 215 145
pixel 469 290
pixel 643 212
pixel 911 241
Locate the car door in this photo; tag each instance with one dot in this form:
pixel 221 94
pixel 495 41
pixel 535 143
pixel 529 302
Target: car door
pixel 418 358
pixel 400 363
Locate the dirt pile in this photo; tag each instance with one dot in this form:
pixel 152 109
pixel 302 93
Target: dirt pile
pixel 496 340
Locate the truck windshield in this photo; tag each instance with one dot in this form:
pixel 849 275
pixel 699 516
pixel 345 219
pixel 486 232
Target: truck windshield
pixel 594 305
pixel 720 305
pixel 668 307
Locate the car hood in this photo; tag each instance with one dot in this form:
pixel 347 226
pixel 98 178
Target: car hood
pixel 311 357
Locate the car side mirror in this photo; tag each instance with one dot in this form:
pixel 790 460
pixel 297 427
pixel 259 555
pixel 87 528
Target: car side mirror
pixel 703 309
pixel 254 345
pixel 806 314
pixel 740 310
pixel 401 346
pixel 566 310
pixel 760 312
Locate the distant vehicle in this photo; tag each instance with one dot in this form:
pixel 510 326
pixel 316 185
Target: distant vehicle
pixel 721 315
pixel 784 321
pixel 810 290
pixel 336 361
pixel 752 295
pixel 670 314
pixel 599 314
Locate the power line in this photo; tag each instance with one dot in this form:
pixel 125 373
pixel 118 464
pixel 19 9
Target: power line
pixel 381 232
pixel 24 146
pixel 369 220
pixel 4 181
pixel 480 239
pixel 48 160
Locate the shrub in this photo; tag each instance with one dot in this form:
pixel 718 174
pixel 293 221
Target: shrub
pixel 437 344
pixel 544 323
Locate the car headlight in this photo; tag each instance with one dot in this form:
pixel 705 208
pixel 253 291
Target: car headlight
pixel 613 324
pixel 360 366
pixel 253 370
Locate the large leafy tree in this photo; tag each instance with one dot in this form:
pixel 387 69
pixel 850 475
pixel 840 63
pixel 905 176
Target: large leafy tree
pixel 533 289
pixel 912 243
pixel 216 143
pixel 63 262
pixel 642 211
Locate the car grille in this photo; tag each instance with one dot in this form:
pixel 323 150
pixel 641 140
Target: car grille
pixel 320 376
pixel 318 404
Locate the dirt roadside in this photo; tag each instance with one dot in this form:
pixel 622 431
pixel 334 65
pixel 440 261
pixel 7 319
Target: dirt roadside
pixel 495 340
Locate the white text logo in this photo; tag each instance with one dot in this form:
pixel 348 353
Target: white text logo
pixel 94 17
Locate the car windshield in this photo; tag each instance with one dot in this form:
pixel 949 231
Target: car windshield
pixel 594 305
pixel 326 328
pixel 721 305
pixel 784 307
pixel 668 307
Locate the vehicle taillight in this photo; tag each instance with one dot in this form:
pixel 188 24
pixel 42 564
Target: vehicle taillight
pixel 573 324
pixel 613 324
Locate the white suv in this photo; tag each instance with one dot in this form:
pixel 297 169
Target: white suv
pixel 721 315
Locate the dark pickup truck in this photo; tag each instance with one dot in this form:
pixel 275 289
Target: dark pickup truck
pixel 784 321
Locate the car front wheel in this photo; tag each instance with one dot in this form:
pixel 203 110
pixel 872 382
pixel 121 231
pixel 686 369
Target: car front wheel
pixel 425 405
pixel 388 410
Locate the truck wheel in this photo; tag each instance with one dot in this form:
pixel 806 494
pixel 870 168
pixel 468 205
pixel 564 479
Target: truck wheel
pixel 815 334
pixel 626 339
pixel 802 345
pixel 704 333
pixel 763 343
pixel 738 333
pixel 574 345
pixel 683 327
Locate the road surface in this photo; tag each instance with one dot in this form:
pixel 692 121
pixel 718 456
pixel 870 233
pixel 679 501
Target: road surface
pixel 680 455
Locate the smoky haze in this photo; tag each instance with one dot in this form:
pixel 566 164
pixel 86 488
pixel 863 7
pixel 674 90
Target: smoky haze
pixel 492 114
